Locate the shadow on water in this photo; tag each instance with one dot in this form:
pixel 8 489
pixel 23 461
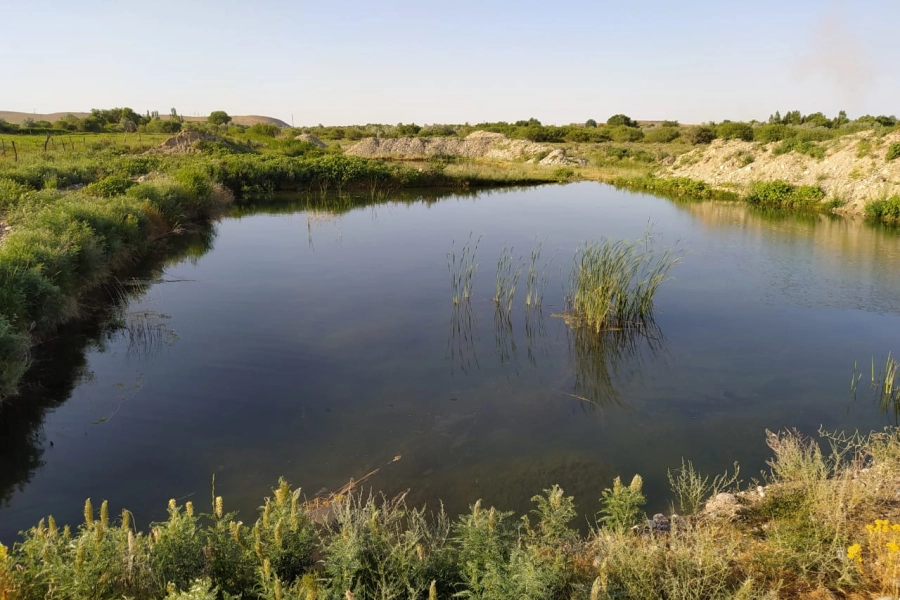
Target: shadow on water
pixel 60 363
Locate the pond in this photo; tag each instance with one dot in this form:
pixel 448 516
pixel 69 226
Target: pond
pixel 320 344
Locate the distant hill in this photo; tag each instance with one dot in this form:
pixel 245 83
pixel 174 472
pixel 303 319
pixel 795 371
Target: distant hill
pixel 17 118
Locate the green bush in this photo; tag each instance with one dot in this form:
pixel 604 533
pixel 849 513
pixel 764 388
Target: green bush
pixel 773 133
pixel 811 149
pixel 10 193
pixel 622 505
pixel 264 129
pixel 623 133
pixel 114 185
pixel 893 152
pixel 13 356
pixel 887 209
pixel 781 194
pixel 701 134
pixel 735 131
pixel 661 135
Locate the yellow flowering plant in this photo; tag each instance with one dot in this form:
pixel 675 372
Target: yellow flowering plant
pixel 879 559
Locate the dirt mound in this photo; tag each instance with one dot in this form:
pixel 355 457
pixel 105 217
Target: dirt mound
pixel 853 168
pixel 478 144
pixel 311 139
pixel 184 143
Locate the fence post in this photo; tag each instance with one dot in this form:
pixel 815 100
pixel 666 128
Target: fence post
pixel 16 152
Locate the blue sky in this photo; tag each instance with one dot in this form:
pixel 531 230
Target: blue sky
pixel 352 61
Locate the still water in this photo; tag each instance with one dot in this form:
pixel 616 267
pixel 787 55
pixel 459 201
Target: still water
pixel 320 345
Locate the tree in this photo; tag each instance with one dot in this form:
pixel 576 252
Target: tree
pixel 623 120
pixel 218 118
pixel 590 123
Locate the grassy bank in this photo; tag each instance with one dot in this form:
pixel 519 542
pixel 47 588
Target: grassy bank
pixel 823 521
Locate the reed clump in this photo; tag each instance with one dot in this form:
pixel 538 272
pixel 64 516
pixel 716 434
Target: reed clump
pixel 508 271
pixel 613 282
pixel 463 270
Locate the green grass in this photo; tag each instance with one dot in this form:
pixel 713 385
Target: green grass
pixel 677 188
pixel 613 282
pixel 796 144
pixel 893 152
pixel 810 529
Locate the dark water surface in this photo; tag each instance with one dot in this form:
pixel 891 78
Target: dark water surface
pixel 318 346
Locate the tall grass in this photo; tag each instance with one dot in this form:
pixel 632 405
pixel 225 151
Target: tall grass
pixel 535 281
pixel 463 270
pixel 883 386
pixel 508 271
pixel 613 282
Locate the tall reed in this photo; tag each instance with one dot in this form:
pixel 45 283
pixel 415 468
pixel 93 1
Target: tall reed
pixel 463 270
pixel 613 282
pixel 508 271
pixel 883 385
pixel 535 281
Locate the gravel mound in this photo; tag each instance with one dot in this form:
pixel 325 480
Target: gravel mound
pixel 311 139
pixel 184 142
pixel 478 144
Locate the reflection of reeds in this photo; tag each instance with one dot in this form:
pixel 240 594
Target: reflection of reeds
pixel 463 270
pixel 883 385
pixel 146 331
pixel 612 283
pixel 535 334
pixel 461 341
pixel 599 360
pixel 504 339
pixel 506 280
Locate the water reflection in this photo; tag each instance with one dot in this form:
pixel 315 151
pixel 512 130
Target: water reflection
pixel 814 259
pixel 461 342
pixel 602 359
pixel 60 364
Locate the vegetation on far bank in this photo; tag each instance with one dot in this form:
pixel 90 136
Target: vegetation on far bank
pixel 822 520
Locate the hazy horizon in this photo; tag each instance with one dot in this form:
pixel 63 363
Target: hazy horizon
pixel 354 63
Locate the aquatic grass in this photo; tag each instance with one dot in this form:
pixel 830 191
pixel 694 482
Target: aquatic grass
pixel 676 188
pixel 535 282
pixel 463 270
pixel 508 271
pixel 883 385
pixel 613 282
